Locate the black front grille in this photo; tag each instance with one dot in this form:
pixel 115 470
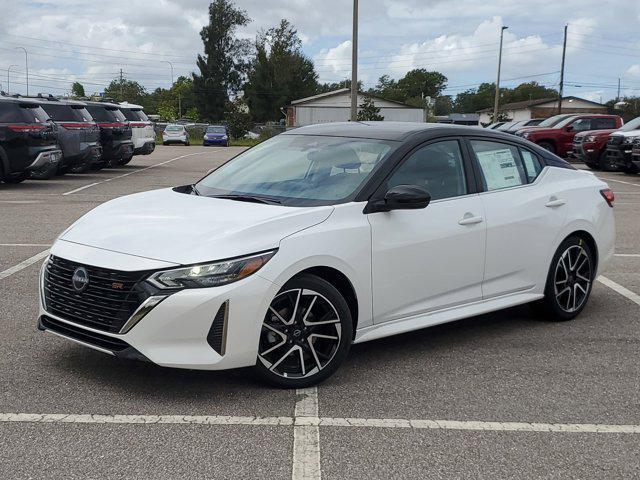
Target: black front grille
pixel 107 302
pixel 114 345
pixel 616 139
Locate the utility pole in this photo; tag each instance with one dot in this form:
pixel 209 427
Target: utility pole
pixel 564 54
pixel 26 66
pixel 8 84
pixel 121 81
pixel 179 96
pixel 354 64
pixel 496 102
pixel 618 97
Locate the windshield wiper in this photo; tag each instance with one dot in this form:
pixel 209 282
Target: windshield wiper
pixel 249 198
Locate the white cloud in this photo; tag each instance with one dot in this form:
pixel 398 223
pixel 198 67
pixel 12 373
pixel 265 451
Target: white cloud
pixel 634 71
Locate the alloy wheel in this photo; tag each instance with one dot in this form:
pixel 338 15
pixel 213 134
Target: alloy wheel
pixel 300 334
pixel 572 278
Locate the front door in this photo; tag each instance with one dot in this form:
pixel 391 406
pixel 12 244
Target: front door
pixel 429 259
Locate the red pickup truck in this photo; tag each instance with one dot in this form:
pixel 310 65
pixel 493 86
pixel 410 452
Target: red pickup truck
pixel 559 138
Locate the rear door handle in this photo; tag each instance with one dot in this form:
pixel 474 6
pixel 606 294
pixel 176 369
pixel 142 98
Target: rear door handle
pixel 470 219
pixel 555 202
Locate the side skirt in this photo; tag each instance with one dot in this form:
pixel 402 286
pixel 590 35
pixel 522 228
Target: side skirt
pixel 443 316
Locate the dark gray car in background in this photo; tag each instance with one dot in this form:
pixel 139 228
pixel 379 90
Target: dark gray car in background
pixel 78 134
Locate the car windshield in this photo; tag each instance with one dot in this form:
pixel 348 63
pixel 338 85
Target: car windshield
pixel 555 120
pixel 216 129
pixel 173 128
pixel 631 125
pixel 299 170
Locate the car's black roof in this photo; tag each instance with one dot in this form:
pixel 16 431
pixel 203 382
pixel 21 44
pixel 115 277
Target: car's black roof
pixel 396 131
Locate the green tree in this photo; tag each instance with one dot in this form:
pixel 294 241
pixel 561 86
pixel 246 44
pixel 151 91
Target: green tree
pixel 223 64
pixel 330 87
pixel 167 111
pixel 237 118
pixel 472 100
pixel 419 82
pixel 192 114
pixel 444 105
pixel 529 91
pixel 279 73
pixel 123 90
pixel 368 111
pixel 77 89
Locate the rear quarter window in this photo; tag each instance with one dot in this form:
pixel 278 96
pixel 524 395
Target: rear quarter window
pixel 33 113
pixel 100 114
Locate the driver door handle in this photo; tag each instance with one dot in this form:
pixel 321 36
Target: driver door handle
pixel 470 219
pixel 555 202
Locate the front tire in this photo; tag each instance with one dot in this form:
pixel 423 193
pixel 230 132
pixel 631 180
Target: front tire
pixel 631 169
pixel 306 334
pixel 569 281
pixel 605 162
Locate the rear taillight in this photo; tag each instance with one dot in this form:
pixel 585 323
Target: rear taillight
pixel 76 126
pixel 27 128
pixel 608 195
pixel 112 125
pixel 137 124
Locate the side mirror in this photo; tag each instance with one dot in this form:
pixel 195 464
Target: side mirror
pixel 568 128
pixel 400 197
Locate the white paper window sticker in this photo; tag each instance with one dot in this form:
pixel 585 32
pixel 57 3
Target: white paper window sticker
pixel 499 168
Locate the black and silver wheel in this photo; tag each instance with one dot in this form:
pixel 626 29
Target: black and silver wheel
pixel 306 334
pixel 570 279
pixel 606 163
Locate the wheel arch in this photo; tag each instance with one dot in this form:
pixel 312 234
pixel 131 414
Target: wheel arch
pixel 588 238
pixel 4 163
pixel 341 282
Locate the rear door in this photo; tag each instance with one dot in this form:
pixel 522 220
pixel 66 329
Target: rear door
pixel 429 259
pixel 524 214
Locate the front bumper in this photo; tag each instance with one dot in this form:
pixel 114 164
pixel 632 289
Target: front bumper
pixel 146 149
pixel 215 141
pixel 620 154
pixel 174 333
pixel 584 152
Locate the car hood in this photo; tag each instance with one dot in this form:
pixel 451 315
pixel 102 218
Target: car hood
pixel 595 132
pixel 185 229
pixel 630 133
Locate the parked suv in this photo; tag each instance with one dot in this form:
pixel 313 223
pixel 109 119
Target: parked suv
pixel 78 134
pixel 143 134
pixel 28 142
pixel 115 133
pixel 591 147
pixel 620 147
pixel 559 138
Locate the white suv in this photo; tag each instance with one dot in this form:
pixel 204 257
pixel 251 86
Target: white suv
pixel 143 134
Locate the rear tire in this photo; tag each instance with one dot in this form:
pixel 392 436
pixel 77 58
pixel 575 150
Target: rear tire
pixel 15 178
pixel 569 281
pixel 548 146
pixel 306 334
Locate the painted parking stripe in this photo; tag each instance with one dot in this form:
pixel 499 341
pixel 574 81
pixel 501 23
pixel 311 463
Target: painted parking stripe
pixel 25 245
pixel 306 437
pixel 621 181
pixel 319 422
pixel 22 265
pixel 634 297
pixel 628 255
pixel 131 173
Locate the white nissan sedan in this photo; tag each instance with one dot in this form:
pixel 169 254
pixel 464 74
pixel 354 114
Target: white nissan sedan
pixel 326 236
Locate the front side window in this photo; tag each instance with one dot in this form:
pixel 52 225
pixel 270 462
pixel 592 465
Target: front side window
pixel 298 170
pixel 499 163
pixel 436 167
pixel 582 125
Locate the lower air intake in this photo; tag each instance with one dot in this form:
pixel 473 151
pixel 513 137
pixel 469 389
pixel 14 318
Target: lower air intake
pixel 217 336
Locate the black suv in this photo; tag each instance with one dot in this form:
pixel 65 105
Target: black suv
pixel 28 141
pixel 78 134
pixel 115 133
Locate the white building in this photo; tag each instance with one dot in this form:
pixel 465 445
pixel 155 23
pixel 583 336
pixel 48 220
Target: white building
pixel 336 107
pixel 542 108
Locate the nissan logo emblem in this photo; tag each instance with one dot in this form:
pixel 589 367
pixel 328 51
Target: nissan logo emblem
pixel 80 279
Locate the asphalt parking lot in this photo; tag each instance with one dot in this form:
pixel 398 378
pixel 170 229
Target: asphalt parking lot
pixel 497 396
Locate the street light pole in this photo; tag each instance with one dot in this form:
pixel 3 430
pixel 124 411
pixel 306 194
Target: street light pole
pixel 26 66
pixel 179 99
pixel 8 69
pixel 496 102
pixel 354 64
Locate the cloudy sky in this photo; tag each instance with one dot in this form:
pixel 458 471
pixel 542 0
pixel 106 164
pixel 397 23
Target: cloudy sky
pixel 90 42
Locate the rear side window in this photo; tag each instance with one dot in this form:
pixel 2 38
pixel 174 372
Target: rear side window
pixel 117 114
pixel 603 123
pixel 10 113
pixel 33 113
pixel 499 163
pixel 532 165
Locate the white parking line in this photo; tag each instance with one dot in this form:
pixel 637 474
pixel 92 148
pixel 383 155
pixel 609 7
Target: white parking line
pixel 317 422
pixel 631 255
pixel 306 437
pixel 634 297
pixel 621 181
pixel 22 265
pixel 131 173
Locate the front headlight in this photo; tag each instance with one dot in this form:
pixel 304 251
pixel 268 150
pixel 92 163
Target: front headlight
pixel 526 134
pixel 591 138
pixel 210 274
